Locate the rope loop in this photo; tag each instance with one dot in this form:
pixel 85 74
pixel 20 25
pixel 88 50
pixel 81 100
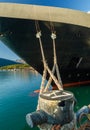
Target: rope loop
pixel 38 34
pixel 53 36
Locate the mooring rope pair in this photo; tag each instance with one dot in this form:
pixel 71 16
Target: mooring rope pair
pixel 58 82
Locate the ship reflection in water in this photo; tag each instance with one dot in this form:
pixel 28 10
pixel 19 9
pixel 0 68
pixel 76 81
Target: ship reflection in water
pixel 17 98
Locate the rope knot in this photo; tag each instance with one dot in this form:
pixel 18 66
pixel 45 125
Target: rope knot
pixel 53 36
pixel 38 34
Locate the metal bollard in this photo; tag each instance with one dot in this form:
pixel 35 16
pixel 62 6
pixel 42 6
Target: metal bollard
pixel 55 108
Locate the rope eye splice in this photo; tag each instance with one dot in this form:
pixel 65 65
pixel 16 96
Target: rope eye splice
pixel 49 109
pixel 53 35
pixel 38 34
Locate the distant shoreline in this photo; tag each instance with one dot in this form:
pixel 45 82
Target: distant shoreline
pixel 17 67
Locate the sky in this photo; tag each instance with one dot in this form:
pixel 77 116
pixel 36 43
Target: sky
pixel 82 5
pixel 6 53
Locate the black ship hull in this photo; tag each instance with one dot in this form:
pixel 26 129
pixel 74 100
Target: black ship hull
pixel 72 46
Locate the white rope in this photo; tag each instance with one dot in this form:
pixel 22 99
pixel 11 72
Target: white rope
pixel 42 87
pixel 53 36
pixel 53 77
pixel 46 68
pixel 38 35
pixel 58 75
pixel 50 80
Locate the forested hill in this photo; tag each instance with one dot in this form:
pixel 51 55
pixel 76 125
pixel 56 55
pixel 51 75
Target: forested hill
pixel 5 62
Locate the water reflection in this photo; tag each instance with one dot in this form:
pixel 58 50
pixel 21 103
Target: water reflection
pixel 15 98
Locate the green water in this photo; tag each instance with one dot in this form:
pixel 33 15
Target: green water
pixel 82 95
pixel 17 98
